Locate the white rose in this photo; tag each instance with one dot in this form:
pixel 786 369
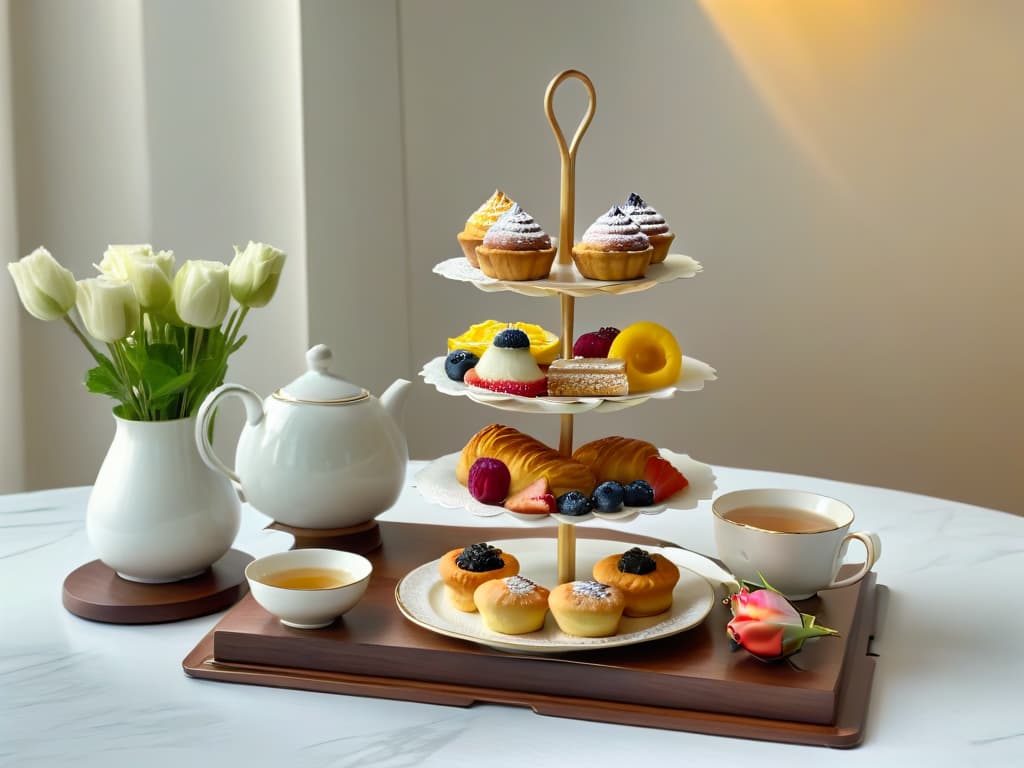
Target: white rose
pixel 115 259
pixel 150 277
pixel 254 274
pixel 201 293
pixel 47 289
pixel 108 308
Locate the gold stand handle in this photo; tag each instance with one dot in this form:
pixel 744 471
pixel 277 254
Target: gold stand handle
pixel 567 218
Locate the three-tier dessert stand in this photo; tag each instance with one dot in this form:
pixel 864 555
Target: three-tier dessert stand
pixel 567 285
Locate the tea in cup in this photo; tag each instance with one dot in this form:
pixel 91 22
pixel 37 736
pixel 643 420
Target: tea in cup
pixel 795 540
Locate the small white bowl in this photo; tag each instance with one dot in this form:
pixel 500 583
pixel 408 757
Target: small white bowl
pixel 308 608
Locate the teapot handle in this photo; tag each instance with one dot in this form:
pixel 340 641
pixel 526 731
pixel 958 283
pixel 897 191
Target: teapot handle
pixel 253 416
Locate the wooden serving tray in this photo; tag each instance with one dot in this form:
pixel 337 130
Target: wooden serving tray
pixel 687 682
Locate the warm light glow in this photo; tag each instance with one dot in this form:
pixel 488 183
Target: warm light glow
pixel 796 53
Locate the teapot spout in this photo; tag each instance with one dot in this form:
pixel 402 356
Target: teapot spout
pixel 393 399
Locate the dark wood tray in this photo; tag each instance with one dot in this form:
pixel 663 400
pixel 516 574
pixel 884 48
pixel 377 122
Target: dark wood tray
pixel 687 682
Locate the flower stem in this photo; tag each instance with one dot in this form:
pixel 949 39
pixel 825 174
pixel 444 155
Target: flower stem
pixel 97 355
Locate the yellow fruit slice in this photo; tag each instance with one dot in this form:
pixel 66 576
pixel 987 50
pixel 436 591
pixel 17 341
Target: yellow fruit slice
pixel 543 344
pixel 652 355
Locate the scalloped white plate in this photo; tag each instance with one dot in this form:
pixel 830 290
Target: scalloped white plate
pixel 421 599
pixel 436 482
pixel 694 374
pixel 565 278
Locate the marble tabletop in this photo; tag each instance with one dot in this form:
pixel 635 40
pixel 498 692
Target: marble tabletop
pixel 947 688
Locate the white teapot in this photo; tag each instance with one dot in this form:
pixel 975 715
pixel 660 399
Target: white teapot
pixel 318 453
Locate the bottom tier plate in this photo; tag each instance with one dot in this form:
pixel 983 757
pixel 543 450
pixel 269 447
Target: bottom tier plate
pixel 421 598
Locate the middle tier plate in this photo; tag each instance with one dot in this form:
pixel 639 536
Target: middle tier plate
pixel 694 374
pixel 436 482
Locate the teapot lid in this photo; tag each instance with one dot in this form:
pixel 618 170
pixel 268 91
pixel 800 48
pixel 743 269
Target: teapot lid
pixel 318 385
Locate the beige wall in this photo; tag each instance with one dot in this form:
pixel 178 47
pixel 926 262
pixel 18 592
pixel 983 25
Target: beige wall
pixel 849 176
pixel 848 172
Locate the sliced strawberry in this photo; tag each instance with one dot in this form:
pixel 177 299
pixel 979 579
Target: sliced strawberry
pixel 534 499
pixel 665 479
pixel 537 388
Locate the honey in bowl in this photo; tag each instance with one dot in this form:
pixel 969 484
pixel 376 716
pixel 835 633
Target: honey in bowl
pixel 308 578
pixel 781 519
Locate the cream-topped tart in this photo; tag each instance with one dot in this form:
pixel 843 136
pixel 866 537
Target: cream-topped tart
pixel 651 223
pixel 507 366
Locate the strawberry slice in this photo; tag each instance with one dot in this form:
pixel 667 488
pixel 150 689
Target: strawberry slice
pixel 534 499
pixel 665 479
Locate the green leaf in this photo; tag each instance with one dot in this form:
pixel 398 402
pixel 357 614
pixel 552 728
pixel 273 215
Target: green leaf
pixel 103 380
pixel 172 386
pixel 168 354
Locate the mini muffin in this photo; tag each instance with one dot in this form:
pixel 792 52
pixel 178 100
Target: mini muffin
pixel 513 605
pixel 481 220
pixel 516 248
pixel 613 248
pixel 646 580
pixel 463 570
pixel 652 224
pixel 587 608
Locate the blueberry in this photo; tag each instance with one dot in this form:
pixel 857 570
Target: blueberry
pixel 458 362
pixel 608 497
pixel 573 503
pixel 512 338
pixel 639 494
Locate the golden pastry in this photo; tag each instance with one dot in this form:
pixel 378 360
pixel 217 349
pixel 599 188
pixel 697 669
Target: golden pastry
pixel 463 570
pixel 646 580
pixel 527 460
pixel 622 459
pixel 587 608
pixel 514 605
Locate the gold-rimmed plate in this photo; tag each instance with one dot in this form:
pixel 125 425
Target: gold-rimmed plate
pixel 421 599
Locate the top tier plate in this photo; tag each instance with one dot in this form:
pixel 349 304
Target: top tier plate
pixel 565 279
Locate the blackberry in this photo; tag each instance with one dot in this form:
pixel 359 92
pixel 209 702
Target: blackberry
pixel 636 561
pixel 479 558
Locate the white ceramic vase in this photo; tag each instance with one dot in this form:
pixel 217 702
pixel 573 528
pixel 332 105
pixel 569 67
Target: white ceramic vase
pixel 157 513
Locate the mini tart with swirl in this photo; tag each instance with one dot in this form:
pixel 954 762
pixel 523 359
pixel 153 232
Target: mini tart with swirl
pixel 587 608
pixel 646 580
pixel 652 224
pixel 516 248
pixel 463 570
pixel 514 605
pixel 481 220
pixel 613 248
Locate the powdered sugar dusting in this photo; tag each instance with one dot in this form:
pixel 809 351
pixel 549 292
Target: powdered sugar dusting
pixel 615 231
pixel 517 230
pixel 520 585
pixel 643 215
pixel 591 588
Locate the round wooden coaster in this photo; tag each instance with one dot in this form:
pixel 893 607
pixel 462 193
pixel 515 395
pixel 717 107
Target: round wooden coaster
pixel 95 592
pixel 361 539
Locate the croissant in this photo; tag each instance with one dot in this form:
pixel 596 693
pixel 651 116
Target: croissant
pixel 622 459
pixel 527 460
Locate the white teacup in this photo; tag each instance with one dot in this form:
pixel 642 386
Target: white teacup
pixel 796 540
